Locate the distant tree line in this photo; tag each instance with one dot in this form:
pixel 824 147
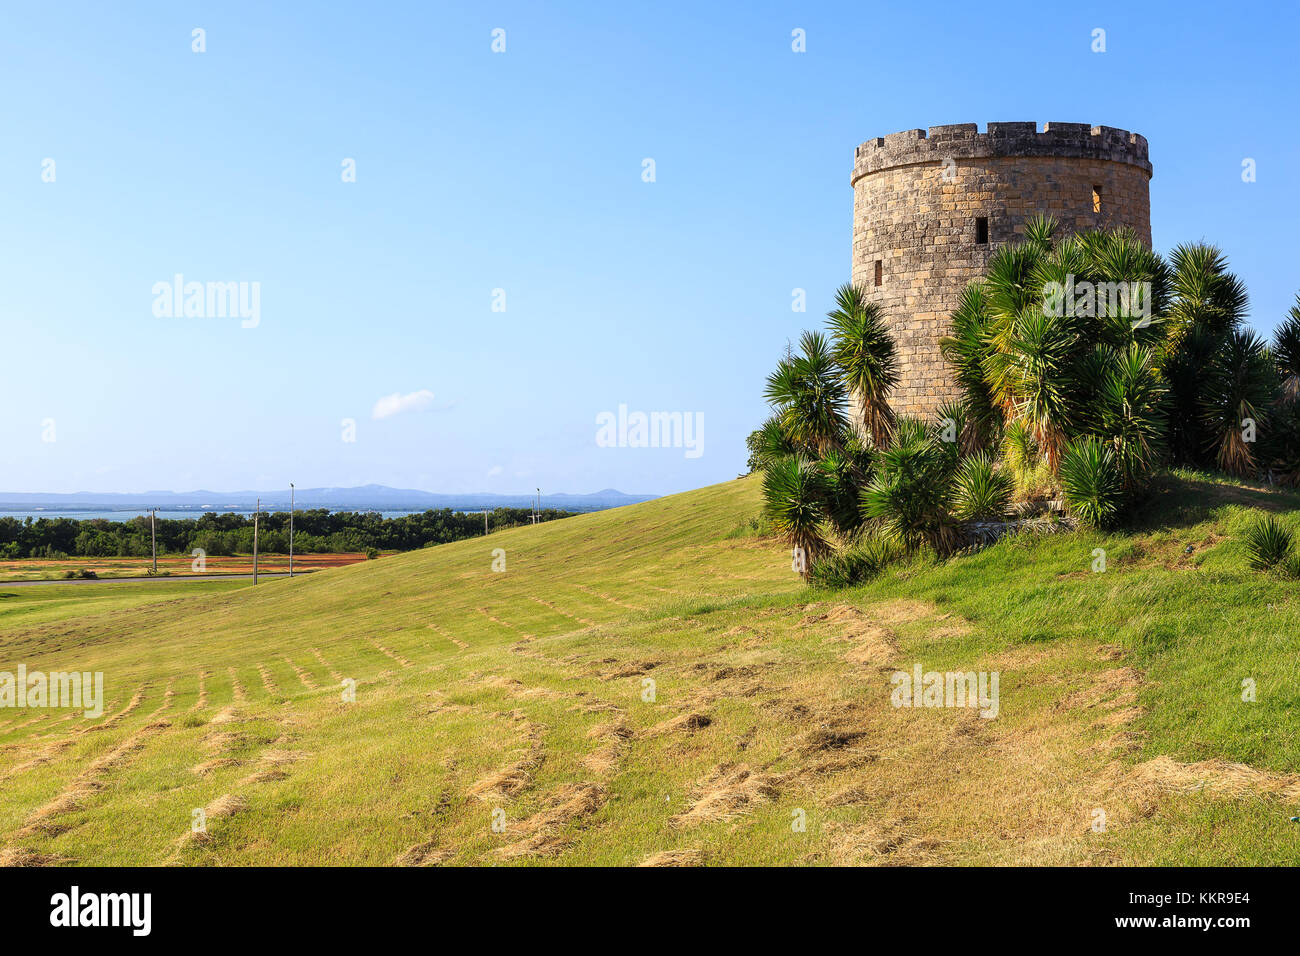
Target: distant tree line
pixel 317 531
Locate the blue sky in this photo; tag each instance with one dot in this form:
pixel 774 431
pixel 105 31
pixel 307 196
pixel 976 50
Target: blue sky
pixel 522 171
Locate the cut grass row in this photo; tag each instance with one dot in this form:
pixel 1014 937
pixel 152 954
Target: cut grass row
pixel 525 692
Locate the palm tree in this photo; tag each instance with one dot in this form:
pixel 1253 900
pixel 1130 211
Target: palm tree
pixel 864 350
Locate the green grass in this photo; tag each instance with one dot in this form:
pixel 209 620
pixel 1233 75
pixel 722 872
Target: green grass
pixel 27 605
pixel 523 692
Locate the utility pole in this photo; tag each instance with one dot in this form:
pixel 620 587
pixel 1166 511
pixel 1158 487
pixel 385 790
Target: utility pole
pixel 255 517
pixel 153 536
pixel 485 531
pixel 291 529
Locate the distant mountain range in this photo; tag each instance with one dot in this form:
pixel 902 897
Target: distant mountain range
pixel 364 498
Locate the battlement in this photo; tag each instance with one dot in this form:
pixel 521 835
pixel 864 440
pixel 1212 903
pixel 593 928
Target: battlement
pixel 965 141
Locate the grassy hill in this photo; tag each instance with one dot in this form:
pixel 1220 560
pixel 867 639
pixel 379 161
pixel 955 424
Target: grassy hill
pixel 654 684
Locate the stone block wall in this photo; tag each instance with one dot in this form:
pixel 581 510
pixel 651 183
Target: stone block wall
pixel 918 199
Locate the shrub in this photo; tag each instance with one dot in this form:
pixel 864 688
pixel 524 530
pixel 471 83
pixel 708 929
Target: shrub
pixel 767 444
pixel 1091 482
pixel 908 496
pixel 755 526
pixel 980 491
pixel 372 553
pixel 1268 543
pixel 853 565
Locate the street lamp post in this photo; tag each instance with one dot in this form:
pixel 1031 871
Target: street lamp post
pixel 291 529
pixel 256 514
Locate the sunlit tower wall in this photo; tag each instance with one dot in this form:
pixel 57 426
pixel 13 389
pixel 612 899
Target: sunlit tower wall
pixel 931 207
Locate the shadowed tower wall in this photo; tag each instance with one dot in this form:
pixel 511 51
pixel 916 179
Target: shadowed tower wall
pixel 929 209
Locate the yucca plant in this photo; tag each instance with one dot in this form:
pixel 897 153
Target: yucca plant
pixel 846 470
pixel 980 491
pixel 794 496
pixel 1286 353
pixel 1207 303
pixel 907 499
pixel 966 350
pixel 949 421
pixel 1184 371
pixel 1040 232
pixel 1063 339
pixel 1119 256
pixel 909 429
pixel 1280 446
pixel 1204 294
pixel 956 426
pixel 1091 482
pixel 864 349
pixel 1239 385
pixel 1029 472
pixel 1291 565
pixel 1037 377
pixel 1130 401
pixel 1268 543
pixel 808 395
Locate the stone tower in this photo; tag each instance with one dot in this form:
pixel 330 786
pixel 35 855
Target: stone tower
pixel 930 209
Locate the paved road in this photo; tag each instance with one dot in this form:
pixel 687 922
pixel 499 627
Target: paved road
pixel 187 577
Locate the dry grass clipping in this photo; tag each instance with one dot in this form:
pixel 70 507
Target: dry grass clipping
pixel 543 829
pixel 726 793
pixel 673 858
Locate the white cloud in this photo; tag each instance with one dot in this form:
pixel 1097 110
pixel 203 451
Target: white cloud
pixel 494 471
pixel 395 403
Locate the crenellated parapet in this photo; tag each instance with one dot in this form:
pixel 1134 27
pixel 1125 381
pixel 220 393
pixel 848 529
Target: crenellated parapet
pixel 964 141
